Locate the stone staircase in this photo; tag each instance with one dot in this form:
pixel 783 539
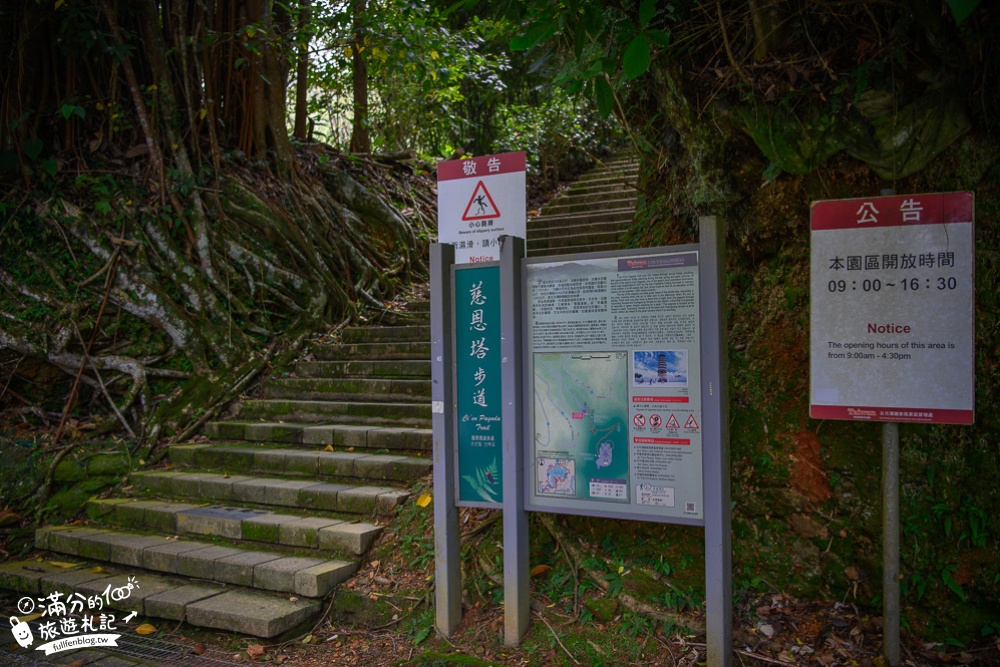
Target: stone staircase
pixel 249 531
pixel 591 215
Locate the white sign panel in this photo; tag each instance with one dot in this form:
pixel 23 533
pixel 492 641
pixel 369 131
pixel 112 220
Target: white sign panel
pixel 892 286
pixel 479 200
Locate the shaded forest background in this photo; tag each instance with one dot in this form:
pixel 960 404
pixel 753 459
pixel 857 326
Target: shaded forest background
pixel 173 222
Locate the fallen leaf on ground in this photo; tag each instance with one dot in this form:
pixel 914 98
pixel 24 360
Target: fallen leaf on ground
pixel 255 651
pixel 63 564
pixel 539 570
pixel 424 500
pixel 199 648
pixel 145 629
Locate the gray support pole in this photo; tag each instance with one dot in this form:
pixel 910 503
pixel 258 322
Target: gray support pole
pixel 447 554
pixel 890 543
pixel 890 533
pixel 715 439
pixel 516 571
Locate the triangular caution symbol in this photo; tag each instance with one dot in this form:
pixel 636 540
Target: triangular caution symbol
pixel 691 422
pixel 672 422
pixel 481 205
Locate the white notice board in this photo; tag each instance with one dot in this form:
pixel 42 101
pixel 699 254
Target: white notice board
pixel 892 286
pixel 479 200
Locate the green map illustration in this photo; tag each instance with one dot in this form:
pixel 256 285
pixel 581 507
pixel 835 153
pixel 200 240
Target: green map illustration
pixel 581 421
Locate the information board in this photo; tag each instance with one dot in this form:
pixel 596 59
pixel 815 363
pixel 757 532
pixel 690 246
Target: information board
pixel 892 286
pixel 614 376
pixel 477 385
pixel 479 200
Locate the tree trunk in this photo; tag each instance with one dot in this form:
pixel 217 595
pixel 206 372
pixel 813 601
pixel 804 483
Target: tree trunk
pixel 302 72
pixel 360 139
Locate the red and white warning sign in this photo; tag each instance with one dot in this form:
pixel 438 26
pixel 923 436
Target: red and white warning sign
pixel 639 420
pixel 691 422
pixel 481 205
pixel 672 422
pixel 481 199
pixel 655 420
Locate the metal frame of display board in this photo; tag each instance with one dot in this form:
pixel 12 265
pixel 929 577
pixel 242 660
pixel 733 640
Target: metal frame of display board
pixel 715 438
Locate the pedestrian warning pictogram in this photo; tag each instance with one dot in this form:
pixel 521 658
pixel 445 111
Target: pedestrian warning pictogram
pixel 672 422
pixel 691 422
pixel 481 205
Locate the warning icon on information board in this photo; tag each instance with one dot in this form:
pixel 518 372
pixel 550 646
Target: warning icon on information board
pixel 672 422
pixel 639 420
pixel 655 420
pixel 481 205
pixel 691 422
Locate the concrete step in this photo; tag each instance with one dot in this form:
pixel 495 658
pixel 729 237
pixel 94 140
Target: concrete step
pixel 591 196
pixel 400 368
pixel 345 537
pixel 586 240
pixel 317 462
pixel 589 207
pixel 621 216
pixel 343 389
pixel 582 227
pixel 271 491
pixel 385 351
pixel 415 333
pixel 572 250
pixel 338 435
pixel 400 414
pixel 621 173
pixel 262 570
pixel 263 611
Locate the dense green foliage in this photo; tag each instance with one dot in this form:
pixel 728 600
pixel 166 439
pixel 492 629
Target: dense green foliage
pixel 749 111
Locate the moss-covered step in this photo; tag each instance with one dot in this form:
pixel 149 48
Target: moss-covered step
pixel 310 462
pixel 348 389
pixel 331 534
pixel 398 368
pixel 416 333
pixel 208 605
pixel 272 492
pixel 385 351
pixel 262 570
pixel 354 412
pixel 395 438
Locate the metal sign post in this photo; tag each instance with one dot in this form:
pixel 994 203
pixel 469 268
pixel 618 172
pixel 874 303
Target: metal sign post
pixel 715 411
pixel 891 332
pixel 516 568
pixel 447 553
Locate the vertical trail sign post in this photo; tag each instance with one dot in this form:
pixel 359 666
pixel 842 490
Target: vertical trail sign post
pixel 891 331
pixel 478 200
